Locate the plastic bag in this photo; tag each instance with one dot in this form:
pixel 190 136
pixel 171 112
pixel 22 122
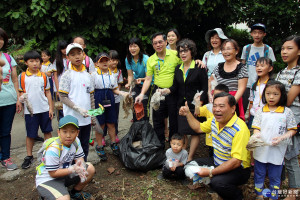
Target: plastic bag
pixel 150 156
pixel 192 168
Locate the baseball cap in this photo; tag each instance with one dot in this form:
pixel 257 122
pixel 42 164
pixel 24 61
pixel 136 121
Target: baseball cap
pixel 73 46
pixel 219 31
pixel 258 26
pixel 68 119
pixel 102 55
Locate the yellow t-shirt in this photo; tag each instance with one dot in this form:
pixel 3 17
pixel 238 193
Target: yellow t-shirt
pixel 163 70
pixel 234 136
pixel 204 112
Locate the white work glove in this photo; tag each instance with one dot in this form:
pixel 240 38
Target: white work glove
pixel 164 91
pixel 23 98
pixel 139 98
pixel 124 94
pixel 79 169
pixel 82 111
pixel 196 99
pixel 97 126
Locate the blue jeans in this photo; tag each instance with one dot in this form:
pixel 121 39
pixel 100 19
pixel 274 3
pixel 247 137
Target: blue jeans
pixel 7 114
pixel 274 174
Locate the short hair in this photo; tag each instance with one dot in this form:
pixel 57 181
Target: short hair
pixel 4 36
pixel 280 86
pixel 176 136
pixel 158 34
pixel 32 55
pixel 47 52
pixel 231 99
pixel 176 33
pixel 233 42
pixel 189 44
pixel 211 34
pixel 222 88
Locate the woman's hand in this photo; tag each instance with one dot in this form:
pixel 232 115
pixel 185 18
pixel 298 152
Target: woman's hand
pixel 19 106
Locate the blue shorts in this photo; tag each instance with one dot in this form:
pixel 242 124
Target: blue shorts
pixel 109 115
pixel 37 120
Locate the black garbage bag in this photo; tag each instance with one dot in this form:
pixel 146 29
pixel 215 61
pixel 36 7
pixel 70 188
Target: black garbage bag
pixel 148 155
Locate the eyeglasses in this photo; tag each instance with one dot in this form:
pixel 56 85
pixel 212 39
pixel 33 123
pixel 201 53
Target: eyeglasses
pixel 183 51
pixel 158 42
pixel 228 49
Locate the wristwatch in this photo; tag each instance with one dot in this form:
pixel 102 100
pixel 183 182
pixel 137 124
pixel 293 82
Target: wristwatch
pixel 210 173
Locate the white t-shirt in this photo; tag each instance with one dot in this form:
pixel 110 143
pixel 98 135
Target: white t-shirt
pixel 91 65
pixel 256 97
pixel 272 124
pixel 54 162
pixel 46 67
pixel 212 60
pixel 78 85
pixel 54 69
pixel 35 88
pixel 254 54
pixel 104 80
pixel 119 77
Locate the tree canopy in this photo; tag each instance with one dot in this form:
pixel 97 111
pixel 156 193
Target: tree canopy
pixel 109 24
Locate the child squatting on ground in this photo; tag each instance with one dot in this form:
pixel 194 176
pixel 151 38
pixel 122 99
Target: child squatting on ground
pixel 35 93
pixel 176 159
pixel 57 172
pixel 275 124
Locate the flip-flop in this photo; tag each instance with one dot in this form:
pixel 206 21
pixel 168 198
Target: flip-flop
pixel 139 111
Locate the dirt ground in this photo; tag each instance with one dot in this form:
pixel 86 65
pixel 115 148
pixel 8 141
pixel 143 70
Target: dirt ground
pixel 121 184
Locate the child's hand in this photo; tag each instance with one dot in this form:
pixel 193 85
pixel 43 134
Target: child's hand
pixel 173 168
pixel 50 113
pixel 127 86
pixel 277 140
pixel 82 111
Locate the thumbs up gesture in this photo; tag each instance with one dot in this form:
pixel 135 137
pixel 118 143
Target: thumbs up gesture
pixel 184 110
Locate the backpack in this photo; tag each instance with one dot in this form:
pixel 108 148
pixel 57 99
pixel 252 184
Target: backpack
pixel 87 63
pixel 50 143
pixel 248 48
pixel 8 58
pixel 23 81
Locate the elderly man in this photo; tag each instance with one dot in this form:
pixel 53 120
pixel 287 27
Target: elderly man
pixel 230 136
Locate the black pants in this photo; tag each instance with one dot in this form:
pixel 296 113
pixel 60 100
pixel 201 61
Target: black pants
pixel 146 102
pixel 177 174
pixel 226 184
pixel 84 137
pixel 246 99
pixel 167 108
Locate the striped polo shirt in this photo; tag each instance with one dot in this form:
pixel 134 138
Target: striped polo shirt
pixel 230 141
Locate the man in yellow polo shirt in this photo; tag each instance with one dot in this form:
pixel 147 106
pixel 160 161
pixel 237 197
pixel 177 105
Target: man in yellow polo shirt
pixel 230 136
pixel 162 65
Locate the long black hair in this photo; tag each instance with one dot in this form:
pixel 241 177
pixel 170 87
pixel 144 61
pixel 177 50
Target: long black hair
pixel 138 42
pixel 62 44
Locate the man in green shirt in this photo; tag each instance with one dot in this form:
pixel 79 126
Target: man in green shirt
pixel 162 65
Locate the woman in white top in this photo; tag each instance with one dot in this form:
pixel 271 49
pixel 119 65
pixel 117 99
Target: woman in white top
pixel 212 58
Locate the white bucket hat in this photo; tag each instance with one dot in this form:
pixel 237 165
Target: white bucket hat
pixel 219 31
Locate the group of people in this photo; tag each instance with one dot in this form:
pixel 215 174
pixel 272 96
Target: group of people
pixel 201 96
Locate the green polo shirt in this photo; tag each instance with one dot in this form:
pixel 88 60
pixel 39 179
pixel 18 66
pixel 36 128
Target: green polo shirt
pixel 163 70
